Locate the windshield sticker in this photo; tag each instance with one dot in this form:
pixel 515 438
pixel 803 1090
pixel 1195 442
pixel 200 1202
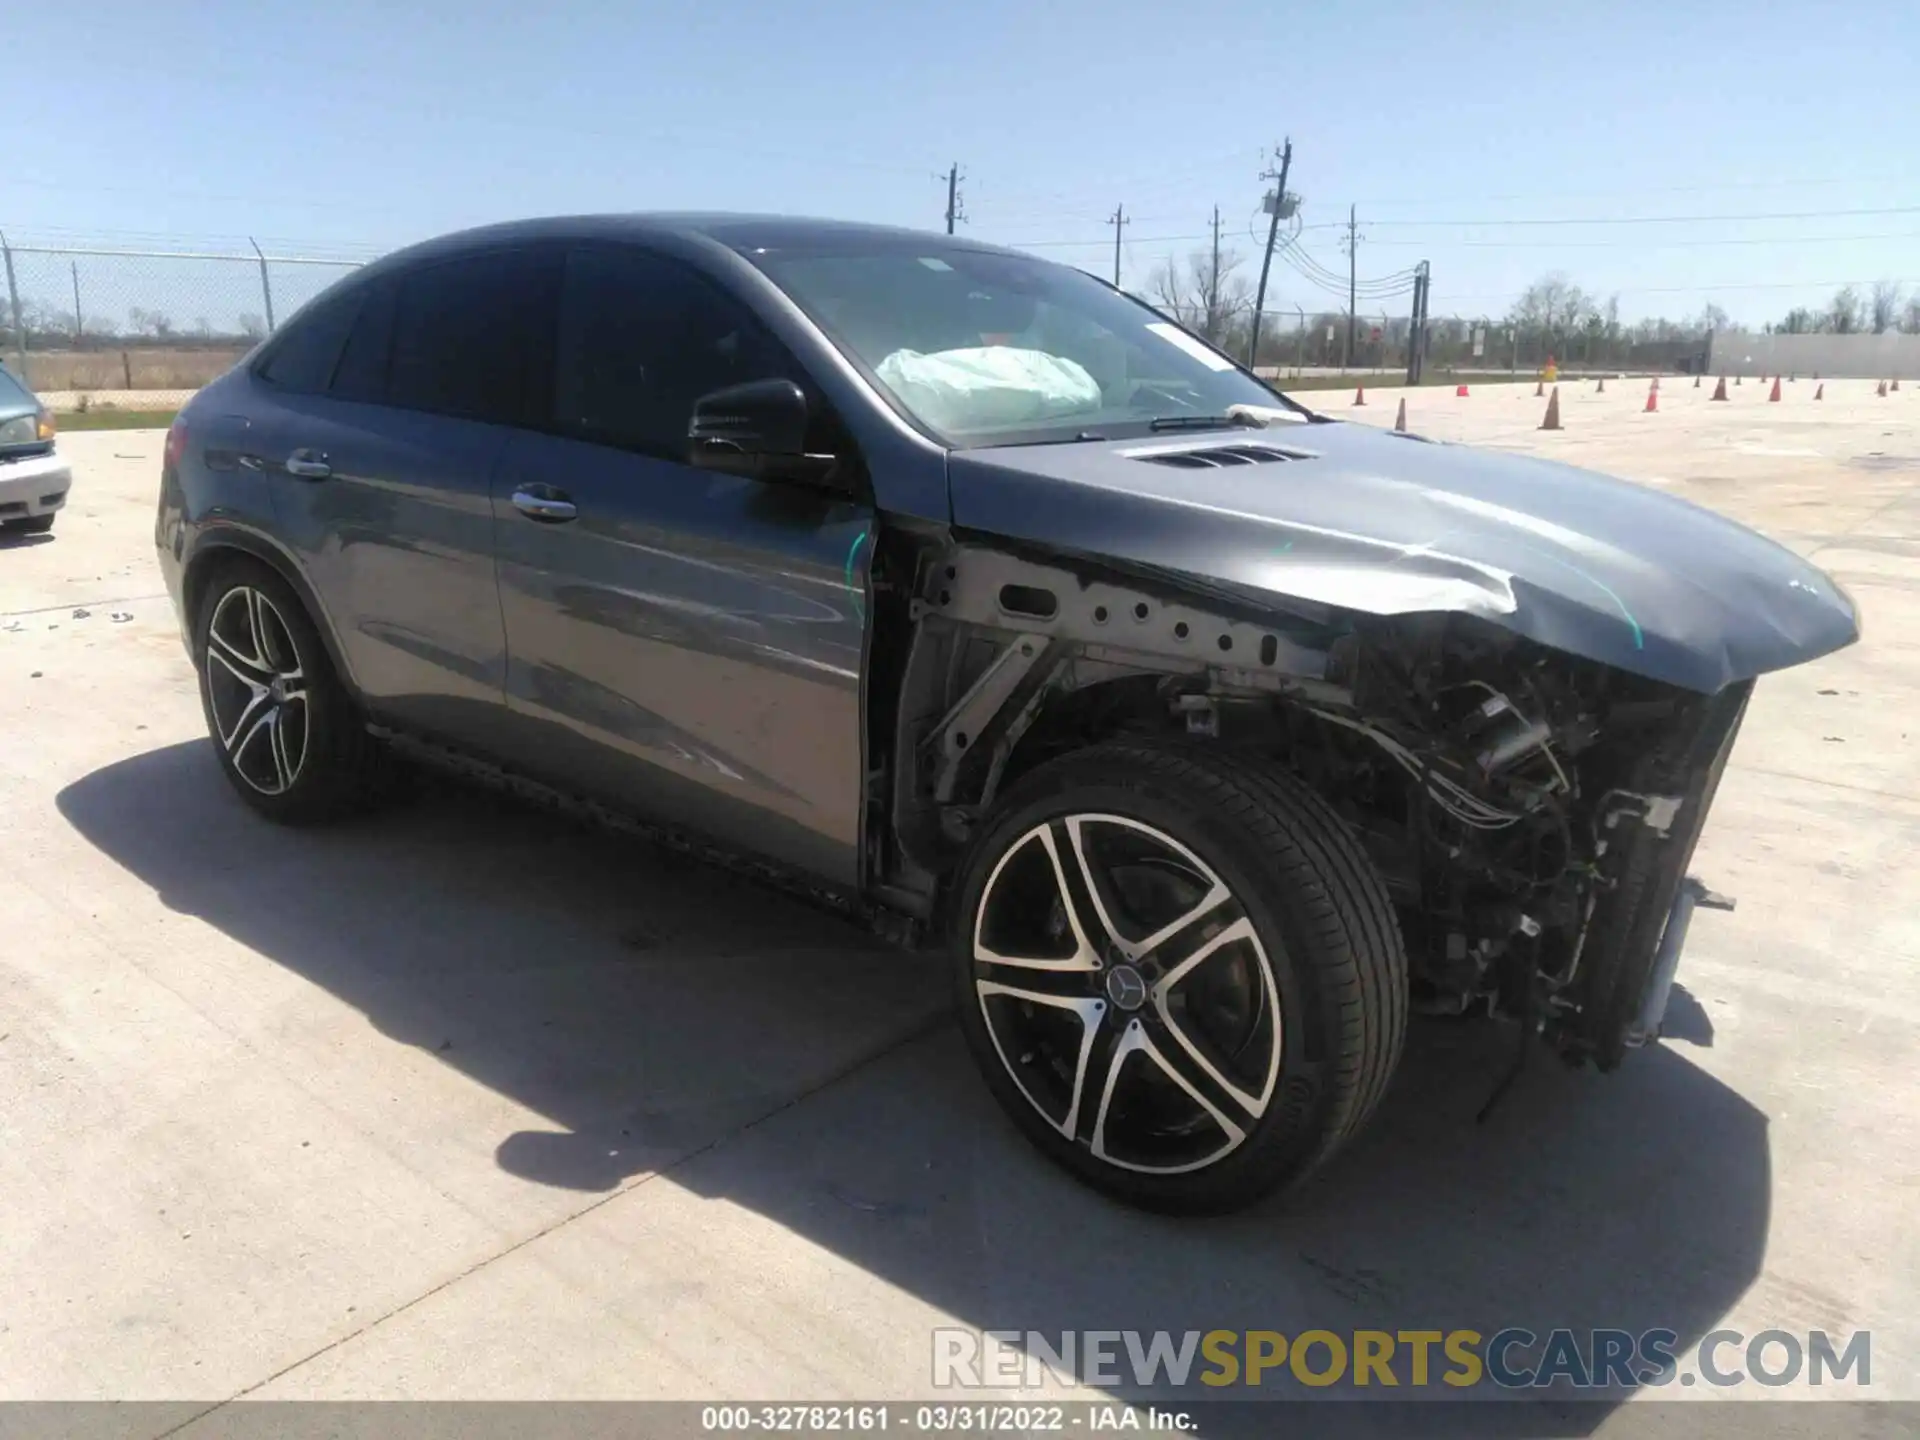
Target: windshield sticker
pixel 1180 340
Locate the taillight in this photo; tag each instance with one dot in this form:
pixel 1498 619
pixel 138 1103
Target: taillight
pixel 176 441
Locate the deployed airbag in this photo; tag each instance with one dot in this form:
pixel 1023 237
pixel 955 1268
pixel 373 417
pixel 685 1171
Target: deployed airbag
pixel 989 387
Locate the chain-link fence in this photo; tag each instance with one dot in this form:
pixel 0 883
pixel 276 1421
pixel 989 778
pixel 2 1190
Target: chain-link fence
pixel 143 329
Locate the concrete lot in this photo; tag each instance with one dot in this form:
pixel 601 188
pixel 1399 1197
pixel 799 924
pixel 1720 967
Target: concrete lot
pixel 462 1101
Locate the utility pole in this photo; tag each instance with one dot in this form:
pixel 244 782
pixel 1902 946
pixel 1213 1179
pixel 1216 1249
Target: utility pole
pixel 1117 219
pixel 953 197
pixel 1353 261
pixel 79 325
pixel 1417 323
pixel 1277 205
pixel 1214 320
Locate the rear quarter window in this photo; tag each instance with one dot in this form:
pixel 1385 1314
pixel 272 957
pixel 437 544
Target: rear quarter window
pixel 303 356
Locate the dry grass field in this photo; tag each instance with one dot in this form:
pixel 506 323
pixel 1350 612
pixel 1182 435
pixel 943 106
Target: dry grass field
pixel 134 367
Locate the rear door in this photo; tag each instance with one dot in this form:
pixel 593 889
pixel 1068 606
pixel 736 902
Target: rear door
pixel 383 480
pixel 685 643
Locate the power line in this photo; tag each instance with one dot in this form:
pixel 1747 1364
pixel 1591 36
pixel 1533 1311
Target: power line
pixel 1781 182
pixel 1492 223
pixel 1658 244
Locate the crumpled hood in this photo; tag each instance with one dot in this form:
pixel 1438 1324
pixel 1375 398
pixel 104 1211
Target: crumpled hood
pixel 1378 523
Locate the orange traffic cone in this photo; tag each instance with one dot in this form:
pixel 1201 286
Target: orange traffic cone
pixel 1776 389
pixel 1539 389
pixel 1819 392
pixel 1601 388
pixel 1696 382
pixel 1400 420
pixel 1720 390
pixel 1882 390
pixel 1653 398
pixel 1552 421
pixel 1460 391
pixel 1896 383
pixel 1360 395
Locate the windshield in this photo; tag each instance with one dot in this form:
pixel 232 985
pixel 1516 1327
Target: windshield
pixel 990 349
pixel 14 396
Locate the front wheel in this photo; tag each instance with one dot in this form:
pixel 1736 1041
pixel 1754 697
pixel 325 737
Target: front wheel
pixel 1179 973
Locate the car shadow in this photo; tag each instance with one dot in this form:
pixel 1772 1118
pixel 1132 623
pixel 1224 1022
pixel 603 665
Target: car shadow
pixel 21 540
pixel 648 1007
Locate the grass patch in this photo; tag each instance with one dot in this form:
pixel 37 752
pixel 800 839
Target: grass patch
pixel 101 418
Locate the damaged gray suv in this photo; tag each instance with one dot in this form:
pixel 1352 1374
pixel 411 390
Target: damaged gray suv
pixel 1210 736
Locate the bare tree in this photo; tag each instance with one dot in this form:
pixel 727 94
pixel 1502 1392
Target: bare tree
pixel 1712 317
pixel 1884 308
pixel 1205 296
pixel 1800 321
pixel 252 326
pixel 1551 306
pixel 45 323
pixel 1910 321
pixel 155 323
pixel 1843 311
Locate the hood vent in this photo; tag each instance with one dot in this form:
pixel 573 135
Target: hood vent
pixel 1217 457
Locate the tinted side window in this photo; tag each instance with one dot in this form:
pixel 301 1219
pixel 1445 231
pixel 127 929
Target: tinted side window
pixel 302 359
pixel 641 338
pixel 472 337
pixel 362 371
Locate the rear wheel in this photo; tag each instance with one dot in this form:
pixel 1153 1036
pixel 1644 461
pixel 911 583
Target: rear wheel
pixel 288 734
pixel 1179 973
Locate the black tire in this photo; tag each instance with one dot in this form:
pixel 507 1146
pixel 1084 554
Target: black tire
pixel 1326 935
pixel 339 769
pixel 37 525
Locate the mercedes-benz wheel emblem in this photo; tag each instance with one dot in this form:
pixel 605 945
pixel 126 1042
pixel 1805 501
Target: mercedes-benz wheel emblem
pixel 1125 987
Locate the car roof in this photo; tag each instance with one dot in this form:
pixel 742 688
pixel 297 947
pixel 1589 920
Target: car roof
pixel 736 231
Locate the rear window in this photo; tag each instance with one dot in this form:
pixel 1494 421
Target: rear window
pixel 473 337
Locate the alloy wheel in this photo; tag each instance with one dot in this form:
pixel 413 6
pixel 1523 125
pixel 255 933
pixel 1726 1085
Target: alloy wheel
pixel 1127 993
pixel 256 691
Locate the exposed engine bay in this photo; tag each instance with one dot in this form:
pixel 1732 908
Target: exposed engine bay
pixel 1516 801
pixel 1532 813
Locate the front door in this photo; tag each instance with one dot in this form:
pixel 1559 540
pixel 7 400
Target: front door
pixel 685 643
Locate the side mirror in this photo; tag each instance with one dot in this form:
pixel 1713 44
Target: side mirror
pixel 759 431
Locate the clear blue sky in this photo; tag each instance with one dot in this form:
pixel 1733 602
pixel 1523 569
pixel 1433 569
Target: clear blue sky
pixel 354 127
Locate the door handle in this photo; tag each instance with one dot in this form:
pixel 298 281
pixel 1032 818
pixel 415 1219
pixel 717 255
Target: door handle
pixel 551 507
pixel 308 465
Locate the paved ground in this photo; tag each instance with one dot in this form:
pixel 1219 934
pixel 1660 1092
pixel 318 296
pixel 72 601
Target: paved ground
pixel 464 1102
